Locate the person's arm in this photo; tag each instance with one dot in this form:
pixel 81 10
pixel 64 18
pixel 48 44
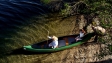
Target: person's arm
pixel 83 31
pixel 49 37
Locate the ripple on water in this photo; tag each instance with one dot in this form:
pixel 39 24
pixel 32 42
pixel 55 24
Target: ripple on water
pixel 13 13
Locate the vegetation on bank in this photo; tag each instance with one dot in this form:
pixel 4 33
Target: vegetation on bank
pixel 66 8
pixel 45 1
pixel 102 8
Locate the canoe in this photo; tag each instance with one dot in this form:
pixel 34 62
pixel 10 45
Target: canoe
pixel 64 42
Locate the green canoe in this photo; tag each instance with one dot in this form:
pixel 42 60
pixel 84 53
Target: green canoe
pixel 64 42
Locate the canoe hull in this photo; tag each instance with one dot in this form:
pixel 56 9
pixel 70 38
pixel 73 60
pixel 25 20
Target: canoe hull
pixel 45 50
pixel 51 50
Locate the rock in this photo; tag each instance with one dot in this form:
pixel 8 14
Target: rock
pixel 82 22
pixel 89 28
pixel 96 21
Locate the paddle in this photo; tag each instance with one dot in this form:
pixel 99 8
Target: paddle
pixel 47 31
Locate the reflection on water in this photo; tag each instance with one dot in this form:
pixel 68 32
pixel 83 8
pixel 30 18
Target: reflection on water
pixel 13 13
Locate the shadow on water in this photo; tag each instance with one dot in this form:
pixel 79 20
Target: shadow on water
pixel 22 51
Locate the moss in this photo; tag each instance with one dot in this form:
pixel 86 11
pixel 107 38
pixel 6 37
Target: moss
pixel 110 47
pixel 65 12
pixel 46 1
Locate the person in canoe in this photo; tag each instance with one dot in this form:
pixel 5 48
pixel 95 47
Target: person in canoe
pixel 81 35
pixel 54 42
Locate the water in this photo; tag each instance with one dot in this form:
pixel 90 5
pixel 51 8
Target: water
pixel 13 13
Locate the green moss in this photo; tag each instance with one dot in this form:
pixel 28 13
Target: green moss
pixel 110 47
pixel 46 1
pixel 65 12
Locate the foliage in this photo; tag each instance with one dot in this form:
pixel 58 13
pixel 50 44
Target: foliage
pixel 98 6
pixel 46 1
pixel 102 8
pixel 65 12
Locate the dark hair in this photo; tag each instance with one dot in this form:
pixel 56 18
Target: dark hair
pixel 82 30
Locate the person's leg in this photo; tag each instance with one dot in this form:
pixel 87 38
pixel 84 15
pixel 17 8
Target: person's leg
pixel 55 46
pixel 50 45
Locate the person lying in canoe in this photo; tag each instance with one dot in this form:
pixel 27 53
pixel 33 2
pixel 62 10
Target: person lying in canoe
pixel 81 35
pixel 54 42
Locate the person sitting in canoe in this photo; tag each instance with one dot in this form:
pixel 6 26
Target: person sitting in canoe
pixel 54 42
pixel 81 35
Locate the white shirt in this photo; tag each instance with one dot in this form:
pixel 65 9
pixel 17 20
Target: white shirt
pixel 81 34
pixel 54 43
